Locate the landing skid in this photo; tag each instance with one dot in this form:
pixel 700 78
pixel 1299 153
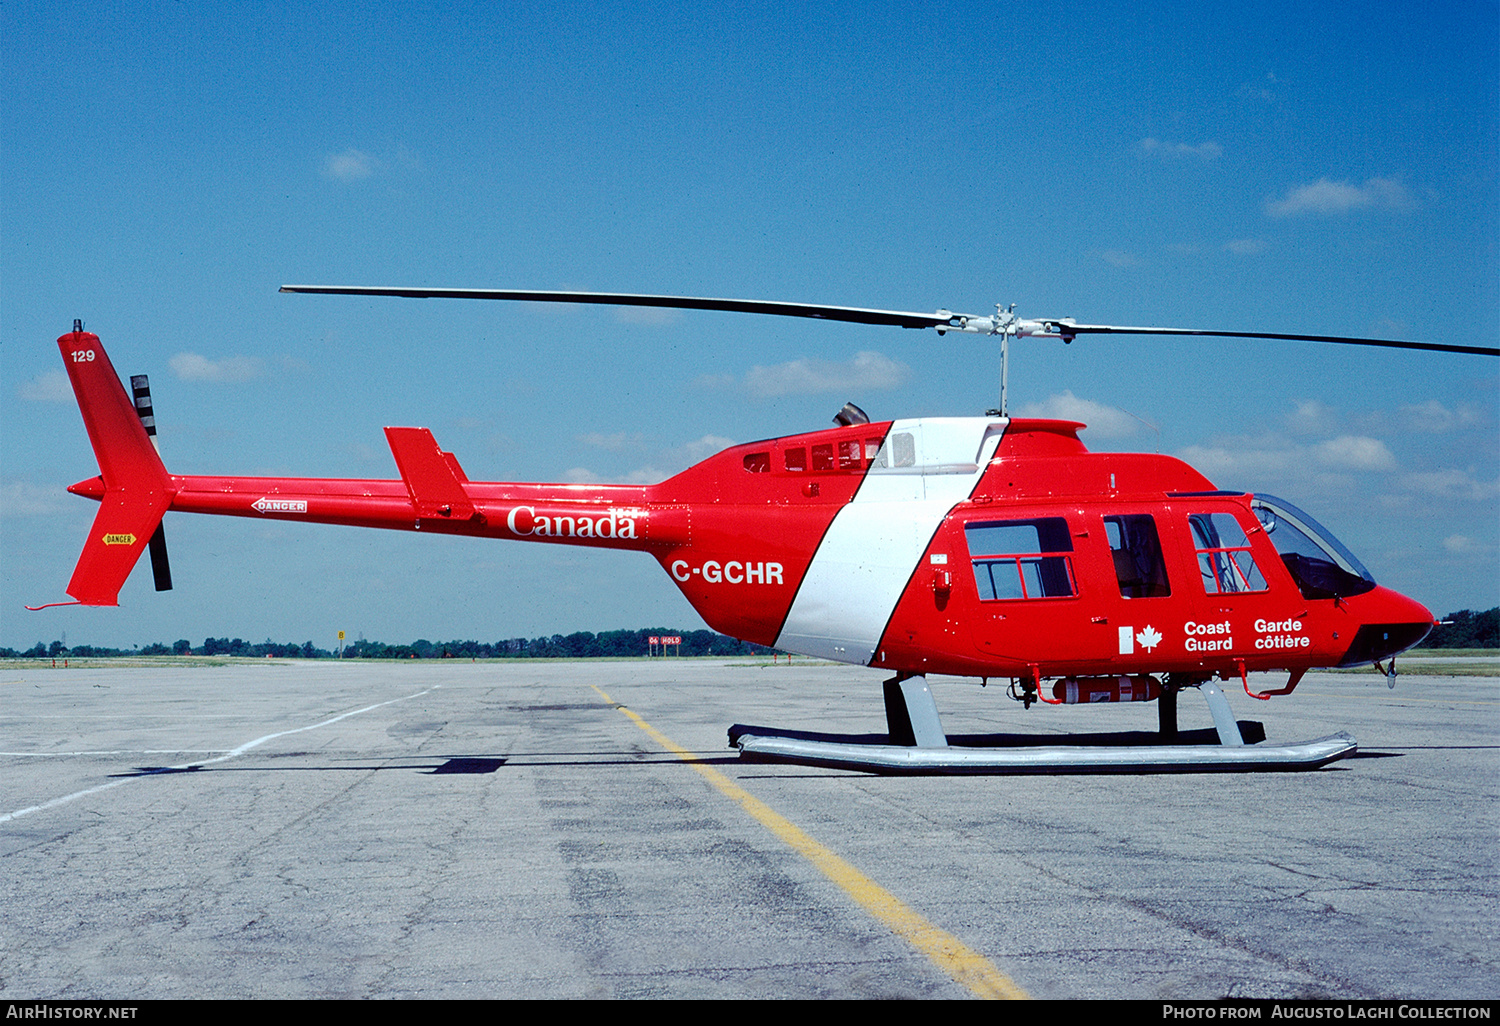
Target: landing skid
pixel 918 744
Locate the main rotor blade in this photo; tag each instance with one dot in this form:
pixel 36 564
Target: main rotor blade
pixel 856 315
pixel 1067 330
pixel 942 320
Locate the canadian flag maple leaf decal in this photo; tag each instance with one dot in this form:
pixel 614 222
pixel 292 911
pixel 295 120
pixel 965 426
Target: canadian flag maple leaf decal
pixel 1149 638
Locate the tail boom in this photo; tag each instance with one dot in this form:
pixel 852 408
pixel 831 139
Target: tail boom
pixel 602 516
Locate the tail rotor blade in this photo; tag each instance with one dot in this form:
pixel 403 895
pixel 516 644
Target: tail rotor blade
pixel 160 571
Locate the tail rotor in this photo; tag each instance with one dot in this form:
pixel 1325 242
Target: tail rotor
pixel 161 571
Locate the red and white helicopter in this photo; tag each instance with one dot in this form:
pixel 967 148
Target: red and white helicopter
pixel 989 547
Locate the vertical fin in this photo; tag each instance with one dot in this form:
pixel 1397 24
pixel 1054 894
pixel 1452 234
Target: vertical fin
pixel 137 488
pixel 125 453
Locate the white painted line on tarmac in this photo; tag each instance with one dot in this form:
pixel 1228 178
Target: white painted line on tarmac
pixel 117 751
pixel 232 753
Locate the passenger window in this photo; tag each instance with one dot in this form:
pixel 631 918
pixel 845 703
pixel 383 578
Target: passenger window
pixel 796 459
pixel 1136 550
pixel 1224 560
pixel 849 455
pixel 903 450
pixel 899 450
pixel 822 456
pixel 758 462
pixel 872 452
pixel 1021 559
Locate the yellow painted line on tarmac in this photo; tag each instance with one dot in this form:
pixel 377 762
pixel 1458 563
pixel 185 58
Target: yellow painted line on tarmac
pixel 965 965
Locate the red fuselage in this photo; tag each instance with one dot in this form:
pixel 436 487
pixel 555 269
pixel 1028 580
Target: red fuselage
pixel 984 547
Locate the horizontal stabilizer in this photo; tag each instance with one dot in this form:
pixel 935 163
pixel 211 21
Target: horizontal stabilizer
pixel 433 478
pixel 121 532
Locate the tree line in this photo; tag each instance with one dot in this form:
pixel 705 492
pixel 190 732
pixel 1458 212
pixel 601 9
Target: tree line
pixel 1463 629
pixel 1467 629
pixel 580 645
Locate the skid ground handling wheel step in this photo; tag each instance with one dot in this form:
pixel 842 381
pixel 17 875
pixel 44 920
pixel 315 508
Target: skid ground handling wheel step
pixel 918 744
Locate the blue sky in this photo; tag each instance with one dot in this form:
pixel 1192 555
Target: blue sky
pixel 1322 167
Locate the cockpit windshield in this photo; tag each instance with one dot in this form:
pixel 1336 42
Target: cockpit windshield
pixel 1318 562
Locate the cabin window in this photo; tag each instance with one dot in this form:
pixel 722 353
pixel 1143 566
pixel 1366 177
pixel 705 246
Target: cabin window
pixel 822 456
pixel 1021 559
pixel 1136 550
pixel 1317 561
pixel 872 452
pixel 796 459
pixel 849 455
pixel 758 462
pixel 903 450
pixel 1224 560
pixel 899 450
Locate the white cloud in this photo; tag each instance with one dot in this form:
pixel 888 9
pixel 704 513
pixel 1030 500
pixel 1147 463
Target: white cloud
pixel 613 443
pixel 1260 90
pixel 1274 461
pixel 1245 247
pixel 1432 417
pixel 1204 151
pixel 1103 421
pixel 641 475
pixel 1119 258
pixel 365 453
pixel 1354 452
pixel 646 315
pixel 21 498
pixel 1327 197
pixel 51 387
pixel 1388 327
pixel 349 166
pixel 706 446
pixel 1312 418
pixel 715 381
pixel 192 367
pixel 1452 484
pixel 868 370
pixel 1243 459
pixel 678 459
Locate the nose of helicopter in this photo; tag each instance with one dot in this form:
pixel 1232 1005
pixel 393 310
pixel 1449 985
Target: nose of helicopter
pixel 1389 623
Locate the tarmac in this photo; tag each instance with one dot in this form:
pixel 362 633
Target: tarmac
pixel 548 829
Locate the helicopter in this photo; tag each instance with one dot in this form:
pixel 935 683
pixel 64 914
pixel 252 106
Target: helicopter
pixel 992 547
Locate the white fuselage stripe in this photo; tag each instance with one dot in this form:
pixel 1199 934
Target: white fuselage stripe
pixel 871 549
